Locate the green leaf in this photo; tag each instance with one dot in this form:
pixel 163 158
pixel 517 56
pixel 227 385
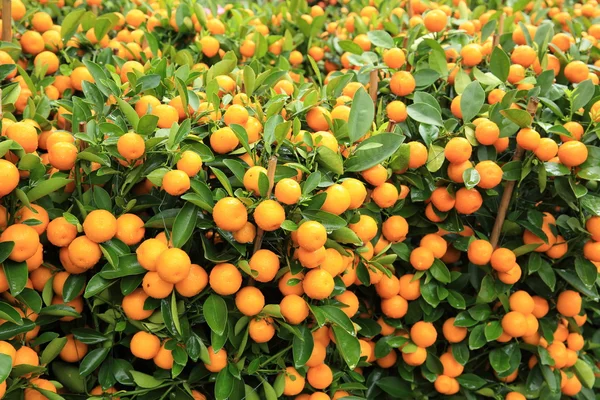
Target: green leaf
pixel 88 336
pixel 215 313
pixel 70 23
pixel 471 101
pixel 338 317
pixel 129 113
pixel 477 338
pixel 329 221
pixel 223 384
pixel 586 271
pixel 73 286
pixel 16 275
pixel 471 381
pixel 518 117
pixel 425 114
pixel 302 346
pixel 52 350
pixel 396 387
pixel 60 310
pixel 5 249
pixel 10 329
pixel 92 361
pixel 493 330
pixel 184 225
pixel 330 160
pixel 511 171
pixel 373 151
pixel 471 178
pixel 585 373
pixel 5 366
pixel 46 187
pixel 361 117
pixel 249 80
pixel 583 93
pixel 500 64
pixel 348 346
pixel 440 272
pixel 145 381
pixel 574 281
pixel 381 39
pixel 223 180
pixel 350 47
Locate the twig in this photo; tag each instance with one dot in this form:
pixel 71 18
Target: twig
pixel 373 83
pixel 271 175
pixel 500 30
pixel 510 186
pixel 7 20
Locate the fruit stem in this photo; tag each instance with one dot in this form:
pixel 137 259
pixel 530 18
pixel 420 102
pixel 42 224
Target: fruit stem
pixel 500 30
pixel 373 82
pixel 6 20
pixel 271 175
pixel 510 186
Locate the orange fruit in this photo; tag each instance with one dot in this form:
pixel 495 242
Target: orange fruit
pixel 144 345
pixel 26 241
pixel 294 309
pixel 572 154
pixel 395 228
pixel 402 83
pixel 176 182
pixel 133 305
pixel 34 213
pixel 131 146
pixel 452 333
pixel 230 214
pixel 225 279
pixel 318 284
pixel 338 199
pixel 266 264
pixel 193 283
pixel 468 201
pixel 100 226
pixel 522 302
pixel 435 20
pixel 249 300
pixel 155 287
pixel 394 307
pixel 173 265
pixel 514 324
pixel 261 330
pixel 317 118
pixel 74 350
pixel 269 215
pixel 423 334
pixel 130 229
pixel 293 382
pixel 503 259
pixel 458 150
pixel 569 303
pixel 421 258
pixel 190 163
pixel 394 58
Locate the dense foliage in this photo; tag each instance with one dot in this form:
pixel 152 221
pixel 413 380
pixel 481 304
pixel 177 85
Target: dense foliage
pixel 363 200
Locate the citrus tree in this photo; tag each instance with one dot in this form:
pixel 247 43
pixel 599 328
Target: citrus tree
pixel 263 200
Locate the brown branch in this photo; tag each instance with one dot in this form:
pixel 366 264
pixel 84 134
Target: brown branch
pixel 271 175
pixel 373 86
pixel 500 30
pixel 510 186
pixel 7 20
